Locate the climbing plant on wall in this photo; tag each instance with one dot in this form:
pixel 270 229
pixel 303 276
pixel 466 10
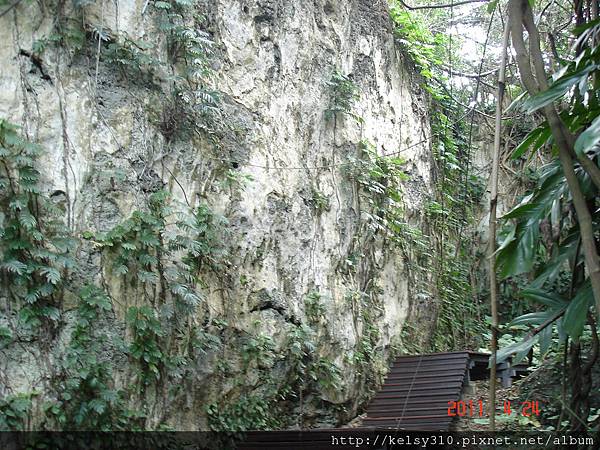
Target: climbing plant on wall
pixel 35 245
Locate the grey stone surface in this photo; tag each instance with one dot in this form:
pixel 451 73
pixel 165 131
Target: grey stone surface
pixel 274 59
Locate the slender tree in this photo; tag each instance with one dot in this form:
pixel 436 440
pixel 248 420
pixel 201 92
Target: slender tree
pixel 492 225
pixel 535 81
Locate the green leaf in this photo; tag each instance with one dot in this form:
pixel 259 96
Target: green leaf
pixel 538 205
pixel 553 300
pixel 588 139
pixel 519 255
pixel 531 318
pixel 5 335
pixel 557 89
pixel 545 339
pixel 51 312
pixel 510 237
pixel 518 347
pixel 14 266
pixel 52 275
pixel 148 277
pixel 551 269
pixel 531 137
pixel 98 406
pixel 492 6
pixel 121 269
pixel 162 5
pixel 576 314
pixel 27 220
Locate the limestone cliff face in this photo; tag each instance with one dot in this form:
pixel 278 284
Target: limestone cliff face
pixel 277 169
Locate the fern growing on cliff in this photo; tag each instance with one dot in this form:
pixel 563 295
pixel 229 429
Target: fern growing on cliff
pixel 159 256
pixel 344 93
pixel 35 244
pixel 85 394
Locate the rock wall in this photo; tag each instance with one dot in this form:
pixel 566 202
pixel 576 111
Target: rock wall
pixel 276 169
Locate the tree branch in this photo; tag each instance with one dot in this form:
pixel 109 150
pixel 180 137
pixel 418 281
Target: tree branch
pixel 14 4
pixel 449 5
pixel 515 13
pixel 469 75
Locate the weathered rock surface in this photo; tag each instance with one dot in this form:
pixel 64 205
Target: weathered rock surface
pixel 280 179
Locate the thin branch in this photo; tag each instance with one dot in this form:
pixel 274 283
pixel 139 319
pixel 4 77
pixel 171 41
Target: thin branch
pixel 468 75
pixel 14 4
pixel 180 186
pixel 458 102
pixel 545 324
pixel 550 3
pixel 99 42
pixel 449 5
pixel 552 41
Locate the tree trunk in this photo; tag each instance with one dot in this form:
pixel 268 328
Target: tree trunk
pixel 492 227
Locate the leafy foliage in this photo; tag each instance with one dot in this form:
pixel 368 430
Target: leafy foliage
pixel 142 251
pixel 145 347
pixel 451 213
pixel 131 58
pixel 193 105
pixel 85 397
pixel 426 49
pixel 307 367
pixel 14 412
pixel 207 249
pixel 380 180
pixel 319 201
pixel 35 244
pixel 249 412
pixel 313 307
pixel 541 237
pixel 67 33
pixel 343 95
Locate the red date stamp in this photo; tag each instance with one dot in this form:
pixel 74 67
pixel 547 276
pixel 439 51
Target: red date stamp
pixel 476 408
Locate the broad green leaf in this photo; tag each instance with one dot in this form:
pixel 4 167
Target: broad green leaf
pixel 557 89
pixel 576 314
pixel 517 102
pixel 589 138
pixel 581 28
pixel 518 347
pixel 522 353
pixel 546 298
pixel 535 138
pixel 520 210
pixel 545 339
pixel 538 205
pixel 519 255
pixel 551 269
pixel 531 318
pixel 508 239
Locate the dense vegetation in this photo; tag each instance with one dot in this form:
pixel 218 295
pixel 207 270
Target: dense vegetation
pixel 547 254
